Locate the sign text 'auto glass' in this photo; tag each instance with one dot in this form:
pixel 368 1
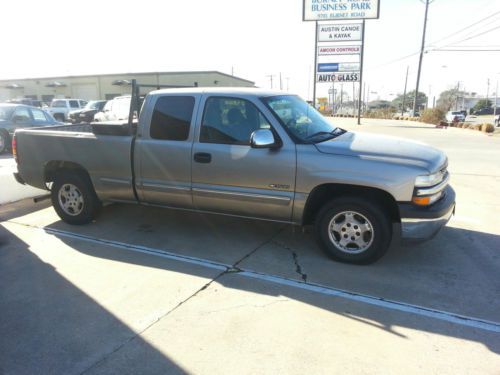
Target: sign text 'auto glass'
pixel 337 77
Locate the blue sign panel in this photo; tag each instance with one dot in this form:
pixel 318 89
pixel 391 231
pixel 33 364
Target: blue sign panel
pixel 328 67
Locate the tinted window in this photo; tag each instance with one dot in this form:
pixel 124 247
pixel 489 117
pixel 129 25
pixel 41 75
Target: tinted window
pixel 73 104
pixel 22 116
pixel 172 118
pixel 38 115
pixel 58 104
pixel 230 121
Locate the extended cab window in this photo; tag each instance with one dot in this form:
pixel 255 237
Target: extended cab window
pixel 172 118
pixel 38 115
pixel 73 104
pixel 230 121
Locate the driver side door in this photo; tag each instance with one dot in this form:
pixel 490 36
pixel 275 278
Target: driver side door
pixel 231 177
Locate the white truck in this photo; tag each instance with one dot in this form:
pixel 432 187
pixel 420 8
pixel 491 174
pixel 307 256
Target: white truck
pixel 60 108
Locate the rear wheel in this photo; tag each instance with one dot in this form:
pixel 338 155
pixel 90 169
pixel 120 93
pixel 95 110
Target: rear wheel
pixel 353 230
pixel 74 198
pixel 4 141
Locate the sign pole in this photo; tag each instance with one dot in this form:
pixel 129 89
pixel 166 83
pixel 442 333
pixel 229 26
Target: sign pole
pixel 361 69
pixel 315 62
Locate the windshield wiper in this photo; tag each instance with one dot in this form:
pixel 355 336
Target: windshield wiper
pixel 333 134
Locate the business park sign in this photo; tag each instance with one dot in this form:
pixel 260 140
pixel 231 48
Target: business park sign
pixel 323 10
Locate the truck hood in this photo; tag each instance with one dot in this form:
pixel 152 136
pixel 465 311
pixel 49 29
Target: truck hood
pixel 385 148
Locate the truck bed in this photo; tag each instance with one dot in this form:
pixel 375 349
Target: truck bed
pixel 103 149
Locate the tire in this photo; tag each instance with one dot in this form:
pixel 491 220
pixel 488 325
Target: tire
pixel 59 117
pixel 4 141
pixel 353 230
pixel 74 199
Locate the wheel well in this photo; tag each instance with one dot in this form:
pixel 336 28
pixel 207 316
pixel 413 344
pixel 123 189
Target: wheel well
pixel 55 167
pixel 326 192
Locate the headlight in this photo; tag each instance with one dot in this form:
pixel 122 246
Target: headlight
pixel 429 180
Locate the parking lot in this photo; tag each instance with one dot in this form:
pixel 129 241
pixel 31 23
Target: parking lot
pixel 148 290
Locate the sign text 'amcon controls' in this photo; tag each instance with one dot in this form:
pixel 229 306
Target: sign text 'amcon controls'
pixel 338 50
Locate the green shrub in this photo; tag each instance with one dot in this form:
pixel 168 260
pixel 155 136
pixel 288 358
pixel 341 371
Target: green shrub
pixel 487 128
pixel 432 116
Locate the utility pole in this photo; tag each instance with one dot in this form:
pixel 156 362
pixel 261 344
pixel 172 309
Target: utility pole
pixel 415 101
pixel 287 84
pixel 271 78
pixel 488 91
pixel 404 94
pixel 456 98
pixel 281 83
pixel 496 99
pixel 315 61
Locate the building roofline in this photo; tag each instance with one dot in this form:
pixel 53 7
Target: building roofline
pixel 131 73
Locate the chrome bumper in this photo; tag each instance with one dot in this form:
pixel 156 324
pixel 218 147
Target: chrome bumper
pixel 421 224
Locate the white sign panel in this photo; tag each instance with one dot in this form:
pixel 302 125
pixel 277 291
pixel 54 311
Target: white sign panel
pixel 337 77
pixel 342 32
pixel 338 50
pixel 324 10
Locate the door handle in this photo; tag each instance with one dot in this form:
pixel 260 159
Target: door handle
pixel 202 157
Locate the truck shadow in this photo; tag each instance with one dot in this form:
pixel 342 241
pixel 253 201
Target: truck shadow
pixel 49 326
pixel 420 274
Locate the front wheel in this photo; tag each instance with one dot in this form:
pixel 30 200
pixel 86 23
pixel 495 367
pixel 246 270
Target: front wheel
pixel 74 198
pixel 353 230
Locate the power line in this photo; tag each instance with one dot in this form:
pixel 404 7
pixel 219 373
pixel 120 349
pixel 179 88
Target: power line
pixel 472 37
pixel 465 28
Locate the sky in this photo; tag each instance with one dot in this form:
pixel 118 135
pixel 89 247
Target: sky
pixel 253 39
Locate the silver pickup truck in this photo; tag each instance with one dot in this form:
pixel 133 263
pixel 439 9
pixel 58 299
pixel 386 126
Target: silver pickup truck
pixel 247 153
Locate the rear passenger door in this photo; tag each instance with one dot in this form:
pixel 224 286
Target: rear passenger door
pixel 163 150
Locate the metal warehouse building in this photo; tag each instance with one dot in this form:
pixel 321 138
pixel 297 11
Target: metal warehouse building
pixel 107 86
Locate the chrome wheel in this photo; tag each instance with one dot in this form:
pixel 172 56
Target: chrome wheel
pixel 351 232
pixel 70 199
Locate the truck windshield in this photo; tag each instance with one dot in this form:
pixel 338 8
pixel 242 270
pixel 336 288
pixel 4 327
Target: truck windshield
pixel 58 104
pixel 93 104
pixel 300 119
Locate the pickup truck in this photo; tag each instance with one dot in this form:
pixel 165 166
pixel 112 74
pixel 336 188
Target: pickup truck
pixel 60 108
pixel 246 153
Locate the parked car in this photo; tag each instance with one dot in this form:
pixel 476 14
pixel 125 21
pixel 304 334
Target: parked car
pixel 60 108
pixel 17 116
pixel 484 111
pixel 247 153
pixel 28 101
pixel 451 115
pixel 86 114
pixel 115 109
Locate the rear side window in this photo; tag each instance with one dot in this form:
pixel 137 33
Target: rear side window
pixel 38 115
pixel 172 118
pixel 73 104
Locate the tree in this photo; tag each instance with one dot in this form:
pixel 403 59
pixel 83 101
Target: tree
pixel 379 104
pixel 483 104
pixel 410 97
pixel 448 99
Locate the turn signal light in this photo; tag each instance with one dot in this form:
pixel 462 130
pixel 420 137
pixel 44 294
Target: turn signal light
pixel 422 201
pixel 14 148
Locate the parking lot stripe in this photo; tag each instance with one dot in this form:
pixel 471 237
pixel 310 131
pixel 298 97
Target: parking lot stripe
pixel 312 287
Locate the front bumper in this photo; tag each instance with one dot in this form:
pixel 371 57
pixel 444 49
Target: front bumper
pixel 422 223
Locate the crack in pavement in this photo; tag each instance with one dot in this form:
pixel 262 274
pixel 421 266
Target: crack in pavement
pixel 232 269
pixel 295 256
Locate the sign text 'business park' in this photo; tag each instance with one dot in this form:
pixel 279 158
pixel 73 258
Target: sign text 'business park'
pixel 322 10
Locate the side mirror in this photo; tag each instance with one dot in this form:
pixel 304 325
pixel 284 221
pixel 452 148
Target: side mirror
pixel 263 138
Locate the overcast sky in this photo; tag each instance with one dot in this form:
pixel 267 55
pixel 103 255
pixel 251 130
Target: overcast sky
pixel 255 38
